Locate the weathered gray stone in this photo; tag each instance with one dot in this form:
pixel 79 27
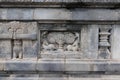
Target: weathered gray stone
pixel 5 49
pixel 96 14
pixel 55 14
pixel 23 78
pixel 14 31
pixel 66 1
pixel 2 64
pixel 30 49
pixel 89 41
pixel 77 66
pixel 59 14
pixel 20 65
pixel 3 14
pixel 59 40
pixel 115 42
pixel 50 65
pixel 54 78
pixel 4 78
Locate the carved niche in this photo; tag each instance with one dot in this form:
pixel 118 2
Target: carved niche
pixel 18 40
pixel 60 41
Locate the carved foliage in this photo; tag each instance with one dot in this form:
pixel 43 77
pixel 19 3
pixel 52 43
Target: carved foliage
pixel 60 41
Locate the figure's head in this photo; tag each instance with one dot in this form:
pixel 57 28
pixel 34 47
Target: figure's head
pixel 17 42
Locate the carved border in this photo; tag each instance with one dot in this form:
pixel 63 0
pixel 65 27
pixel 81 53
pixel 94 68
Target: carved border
pixel 56 27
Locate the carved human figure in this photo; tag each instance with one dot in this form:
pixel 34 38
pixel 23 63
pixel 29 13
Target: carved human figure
pixel 17 49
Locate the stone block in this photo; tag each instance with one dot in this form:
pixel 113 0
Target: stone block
pixel 30 49
pixel 113 67
pixel 96 14
pixel 58 14
pixel 23 78
pixel 77 66
pixel 32 74
pixel 3 14
pixel 20 65
pixel 89 41
pixel 100 66
pixel 107 66
pixel 115 40
pixel 5 49
pixel 55 14
pixel 2 64
pixel 53 78
pixel 4 78
pixel 19 14
pixel 14 14
pixel 50 65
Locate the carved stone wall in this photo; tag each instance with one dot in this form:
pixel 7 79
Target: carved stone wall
pixel 59 40
pixel 17 40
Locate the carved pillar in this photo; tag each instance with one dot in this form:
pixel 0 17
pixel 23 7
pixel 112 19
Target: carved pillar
pixel 104 43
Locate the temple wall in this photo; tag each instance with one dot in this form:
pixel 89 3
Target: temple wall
pixel 59 40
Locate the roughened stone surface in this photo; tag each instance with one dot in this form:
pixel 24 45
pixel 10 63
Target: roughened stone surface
pixel 24 32
pixel 20 65
pixel 50 65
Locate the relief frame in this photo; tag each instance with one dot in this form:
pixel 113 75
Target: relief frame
pixel 59 41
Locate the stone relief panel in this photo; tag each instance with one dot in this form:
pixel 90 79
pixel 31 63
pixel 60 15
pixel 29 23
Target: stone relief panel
pixel 105 42
pixel 17 34
pixel 60 41
pixel 67 41
pixel 18 40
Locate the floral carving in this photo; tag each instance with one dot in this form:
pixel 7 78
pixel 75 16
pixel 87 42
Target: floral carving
pixel 60 41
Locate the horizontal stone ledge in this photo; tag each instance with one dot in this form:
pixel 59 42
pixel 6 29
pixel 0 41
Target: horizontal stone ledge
pixel 79 22
pixel 59 14
pixel 62 1
pixel 26 36
pixel 58 78
pixel 60 65
pixel 19 36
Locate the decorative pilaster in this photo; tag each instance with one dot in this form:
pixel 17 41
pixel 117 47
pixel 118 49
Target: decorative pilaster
pixel 104 42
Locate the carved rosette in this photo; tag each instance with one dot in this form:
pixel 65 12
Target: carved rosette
pixel 104 42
